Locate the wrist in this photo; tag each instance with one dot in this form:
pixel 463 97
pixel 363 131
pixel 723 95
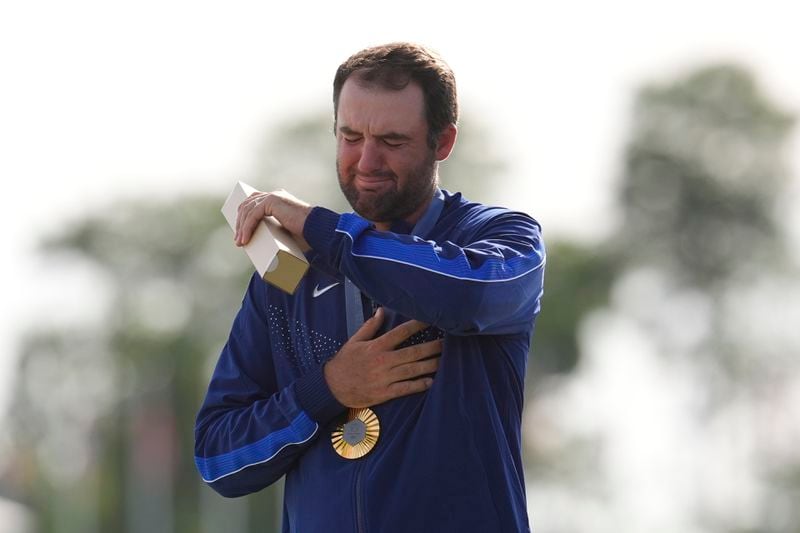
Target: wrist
pixel 292 214
pixel 327 375
pixel 316 397
pixel 319 229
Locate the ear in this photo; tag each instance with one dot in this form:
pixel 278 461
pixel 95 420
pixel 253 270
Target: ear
pixel 447 139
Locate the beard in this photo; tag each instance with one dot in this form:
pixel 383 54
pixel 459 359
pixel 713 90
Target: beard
pixel 397 203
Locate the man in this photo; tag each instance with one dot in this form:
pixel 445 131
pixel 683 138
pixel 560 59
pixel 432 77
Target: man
pixel 433 379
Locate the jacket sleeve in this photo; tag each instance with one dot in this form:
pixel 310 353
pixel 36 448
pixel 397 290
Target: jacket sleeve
pixel 249 432
pixel 492 284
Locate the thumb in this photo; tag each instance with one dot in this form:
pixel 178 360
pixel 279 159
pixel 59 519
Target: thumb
pixel 370 328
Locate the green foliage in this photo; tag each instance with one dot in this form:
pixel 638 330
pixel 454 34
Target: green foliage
pixel 703 172
pixel 176 282
pixel 683 276
pixel 576 282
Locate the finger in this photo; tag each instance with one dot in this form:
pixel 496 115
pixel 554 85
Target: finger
pixel 417 352
pixel 368 330
pixel 241 216
pixel 404 388
pixel 395 336
pixel 414 370
pixel 251 218
pixel 245 208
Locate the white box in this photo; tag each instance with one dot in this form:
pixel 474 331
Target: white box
pixel 273 251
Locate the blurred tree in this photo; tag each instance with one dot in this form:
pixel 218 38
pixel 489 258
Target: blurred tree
pixel 704 173
pixel 577 280
pixel 106 414
pixel 694 271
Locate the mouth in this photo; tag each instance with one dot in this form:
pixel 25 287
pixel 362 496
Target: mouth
pixel 372 182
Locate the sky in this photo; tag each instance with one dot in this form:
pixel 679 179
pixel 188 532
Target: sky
pixel 106 100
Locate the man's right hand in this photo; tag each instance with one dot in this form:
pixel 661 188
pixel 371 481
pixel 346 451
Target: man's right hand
pixel 368 371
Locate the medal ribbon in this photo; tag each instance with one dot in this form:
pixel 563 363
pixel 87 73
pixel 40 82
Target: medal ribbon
pixel 358 434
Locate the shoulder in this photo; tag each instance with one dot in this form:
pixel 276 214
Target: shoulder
pixel 467 215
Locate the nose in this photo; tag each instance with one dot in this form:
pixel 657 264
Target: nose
pixel 371 159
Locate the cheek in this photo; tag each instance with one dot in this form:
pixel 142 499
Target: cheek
pixel 402 161
pixel 346 155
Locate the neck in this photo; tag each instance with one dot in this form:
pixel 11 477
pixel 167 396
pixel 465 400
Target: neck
pixel 411 219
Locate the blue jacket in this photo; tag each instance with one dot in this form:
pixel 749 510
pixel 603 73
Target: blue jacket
pixel 448 459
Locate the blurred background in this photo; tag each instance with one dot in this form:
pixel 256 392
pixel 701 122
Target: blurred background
pixel 656 143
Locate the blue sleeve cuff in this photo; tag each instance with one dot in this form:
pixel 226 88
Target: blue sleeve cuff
pixel 316 398
pixel 319 230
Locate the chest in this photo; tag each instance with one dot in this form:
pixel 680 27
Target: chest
pixel 308 328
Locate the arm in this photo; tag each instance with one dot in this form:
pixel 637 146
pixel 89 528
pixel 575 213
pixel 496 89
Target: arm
pixel 491 285
pixel 249 432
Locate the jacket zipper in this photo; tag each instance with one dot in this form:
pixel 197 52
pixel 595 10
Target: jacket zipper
pixel 360 519
pixel 361 524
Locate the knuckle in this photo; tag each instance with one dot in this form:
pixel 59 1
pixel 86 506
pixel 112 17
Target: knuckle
pixel 414 326
pixel 435 347
pixel 421 350
pixel 408 371
pixel 401 388
pixel 417 385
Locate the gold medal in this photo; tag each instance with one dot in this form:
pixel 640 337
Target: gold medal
pixel 356 437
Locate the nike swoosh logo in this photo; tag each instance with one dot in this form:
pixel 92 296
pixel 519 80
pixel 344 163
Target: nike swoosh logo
pixel 320 292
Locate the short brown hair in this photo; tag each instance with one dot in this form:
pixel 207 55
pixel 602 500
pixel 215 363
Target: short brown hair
pixel 393 66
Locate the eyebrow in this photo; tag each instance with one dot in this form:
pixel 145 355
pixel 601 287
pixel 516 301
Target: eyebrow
pixel 392 135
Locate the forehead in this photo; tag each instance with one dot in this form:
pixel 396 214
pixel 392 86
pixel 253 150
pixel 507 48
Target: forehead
pixel 376 110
